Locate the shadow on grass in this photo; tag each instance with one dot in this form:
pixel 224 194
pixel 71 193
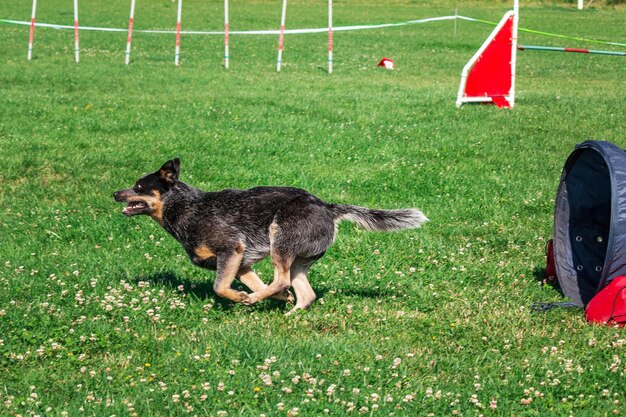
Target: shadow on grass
pixel 204 290
pixel 540 275
pixel 354 292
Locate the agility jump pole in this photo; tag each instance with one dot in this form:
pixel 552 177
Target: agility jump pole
pixel 178 17
pixel 330 36
pixel 577 50
pixel 76 47
pixel 129 38
pixel 31 34
pixel 226 52
pixel 281 36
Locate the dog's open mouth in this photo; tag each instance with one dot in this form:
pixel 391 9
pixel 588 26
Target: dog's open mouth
pixel 135 207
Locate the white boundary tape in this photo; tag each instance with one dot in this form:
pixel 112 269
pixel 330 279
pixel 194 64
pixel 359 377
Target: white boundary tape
pixel 294 31
pixel 244 32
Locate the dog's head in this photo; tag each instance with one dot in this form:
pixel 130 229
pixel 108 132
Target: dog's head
pixel 146 196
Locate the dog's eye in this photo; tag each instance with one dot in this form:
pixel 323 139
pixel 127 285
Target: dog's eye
pixel 138 187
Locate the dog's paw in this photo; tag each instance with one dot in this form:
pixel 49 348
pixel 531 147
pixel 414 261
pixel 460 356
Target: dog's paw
pixel 290 297
pixel 249 299
pixel 285 296
pixel 243 298
pixel 294 311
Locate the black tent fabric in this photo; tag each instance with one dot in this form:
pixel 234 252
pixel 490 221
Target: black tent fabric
pixel 590 220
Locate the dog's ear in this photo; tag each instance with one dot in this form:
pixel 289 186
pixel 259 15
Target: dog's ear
pixel 170 171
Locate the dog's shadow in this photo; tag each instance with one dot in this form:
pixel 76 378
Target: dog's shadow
pixel 168 279
pixel 204 290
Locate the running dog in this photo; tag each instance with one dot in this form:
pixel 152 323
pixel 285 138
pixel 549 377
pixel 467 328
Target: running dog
pixel 230 230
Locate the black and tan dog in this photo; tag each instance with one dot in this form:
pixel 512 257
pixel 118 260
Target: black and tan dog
pixel 230 230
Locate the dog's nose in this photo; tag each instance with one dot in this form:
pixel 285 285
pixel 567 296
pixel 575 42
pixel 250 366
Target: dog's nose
pixel 115 195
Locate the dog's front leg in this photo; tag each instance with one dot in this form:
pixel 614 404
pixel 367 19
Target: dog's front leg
pixel 227 267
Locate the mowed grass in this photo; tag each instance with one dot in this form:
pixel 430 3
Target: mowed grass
pixel 104 315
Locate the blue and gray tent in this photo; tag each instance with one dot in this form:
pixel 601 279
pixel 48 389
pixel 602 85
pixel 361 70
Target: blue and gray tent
pixel 590 220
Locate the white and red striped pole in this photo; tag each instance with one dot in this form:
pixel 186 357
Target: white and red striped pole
pixel 330 36
pixel 178 17
pixel 129 38
pixel 226 52
pixel 281 37
pixel 576 50
pixel 31 35
pixel 76 47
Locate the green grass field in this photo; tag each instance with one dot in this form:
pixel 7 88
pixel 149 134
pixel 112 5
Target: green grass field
pixel 104 315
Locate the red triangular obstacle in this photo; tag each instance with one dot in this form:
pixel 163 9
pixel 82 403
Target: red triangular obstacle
pixel 490 75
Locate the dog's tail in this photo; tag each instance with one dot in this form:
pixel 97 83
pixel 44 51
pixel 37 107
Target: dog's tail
pixel 381 220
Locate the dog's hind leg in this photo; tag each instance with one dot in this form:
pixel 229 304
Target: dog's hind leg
pixel 300 283
pixel 251 280
pixel 282 262
pixel 280 284
pixel 227 268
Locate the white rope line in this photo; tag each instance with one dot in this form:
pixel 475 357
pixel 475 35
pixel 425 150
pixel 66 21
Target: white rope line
pixel 242 32
pixel 294 31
